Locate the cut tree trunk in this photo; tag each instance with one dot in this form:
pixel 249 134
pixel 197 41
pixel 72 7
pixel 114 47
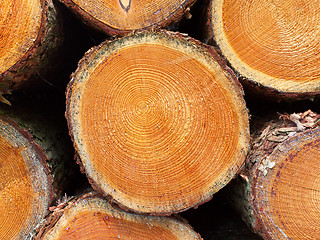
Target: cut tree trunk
pixel 33 170
pixel 28 37
pixel 273 45
pixel 92 217
pixel 120 17
pixel 157 122
pixel 279 192
pixel 25 185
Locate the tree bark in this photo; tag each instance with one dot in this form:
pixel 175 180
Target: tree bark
pixel 272 46
pixel 278 194
pixel 90 216
pixel 159 123
pixel 120 17
pixel 29 32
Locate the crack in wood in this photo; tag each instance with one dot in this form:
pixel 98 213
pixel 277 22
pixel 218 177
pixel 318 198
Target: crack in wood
pixel 125 4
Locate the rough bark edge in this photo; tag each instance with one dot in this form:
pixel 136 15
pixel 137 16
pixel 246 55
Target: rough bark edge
pixel 252 87
pixel 97 188
pixel 46 134
pixel 266 140
pixel 210 52
pixel 38 56
pixel 37 148
pixel 43 161
pixel 94 23
pixel 64 203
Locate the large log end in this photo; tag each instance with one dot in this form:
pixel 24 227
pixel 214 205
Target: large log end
pixel 158 123
pixel 273 46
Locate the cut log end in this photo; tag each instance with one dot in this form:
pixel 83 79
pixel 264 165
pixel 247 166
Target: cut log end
pixel 92 217
pixel 123 16
pixel 278 194
pixel 157 122
pixel 287 196
pixel 19 27
pixel 25 187
pixel 270 44
pixel 29 34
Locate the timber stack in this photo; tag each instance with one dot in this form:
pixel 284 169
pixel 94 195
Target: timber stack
pixel 158 119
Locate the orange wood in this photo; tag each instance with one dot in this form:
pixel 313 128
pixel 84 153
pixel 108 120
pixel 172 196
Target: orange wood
pixel 94 218
pixel 158 124
pixel 20 22
pixel 95 225
pixel 25 190
pixel 288 197
pixel 16 193
pixel 126 15
pixel 158 132
pixel 275 38
pixel 274 43
pixel 130 14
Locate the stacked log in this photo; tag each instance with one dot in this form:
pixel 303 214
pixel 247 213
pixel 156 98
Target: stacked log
pixel 23 175
pixel 30 33
pixel 34 166
pixel 278 193
pixel 90 216
pixel 159 121
pixel 121 17
pixel 158 124
pixel 272 45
